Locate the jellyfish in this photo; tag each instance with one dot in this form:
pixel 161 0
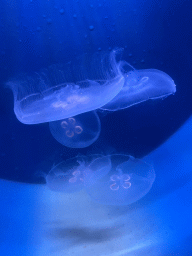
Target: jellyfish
pixel 141 85
pixel 64 91
pixel 69 176
pixel 77 132
pixel 128 180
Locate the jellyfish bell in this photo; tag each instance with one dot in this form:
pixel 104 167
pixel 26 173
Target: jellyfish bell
pixel 69 176
pixel 141 85
pixel 128 180
pixel 77 132
pixel 68 90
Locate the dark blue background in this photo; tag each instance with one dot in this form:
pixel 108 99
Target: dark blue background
pixel 36 34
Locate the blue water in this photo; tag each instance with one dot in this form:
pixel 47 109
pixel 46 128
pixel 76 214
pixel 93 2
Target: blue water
pixel 36 221
pixel 89 220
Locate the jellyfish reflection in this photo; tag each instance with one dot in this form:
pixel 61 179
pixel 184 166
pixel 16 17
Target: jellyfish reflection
pixel 141 85
pixel 77 132
pixel 65 91
pixel 128 180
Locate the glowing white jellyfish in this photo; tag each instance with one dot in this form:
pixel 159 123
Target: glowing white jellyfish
pixel 69 176
pixel 77 132
pixel 128 180
pixel 111 180
pixel 65 91
pixel 67 96
pixel 142 85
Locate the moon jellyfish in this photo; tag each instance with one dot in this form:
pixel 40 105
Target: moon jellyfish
pixel 77 132
pixel 127 181
pixel 142 85
pixel 65 91
pixel 69 176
